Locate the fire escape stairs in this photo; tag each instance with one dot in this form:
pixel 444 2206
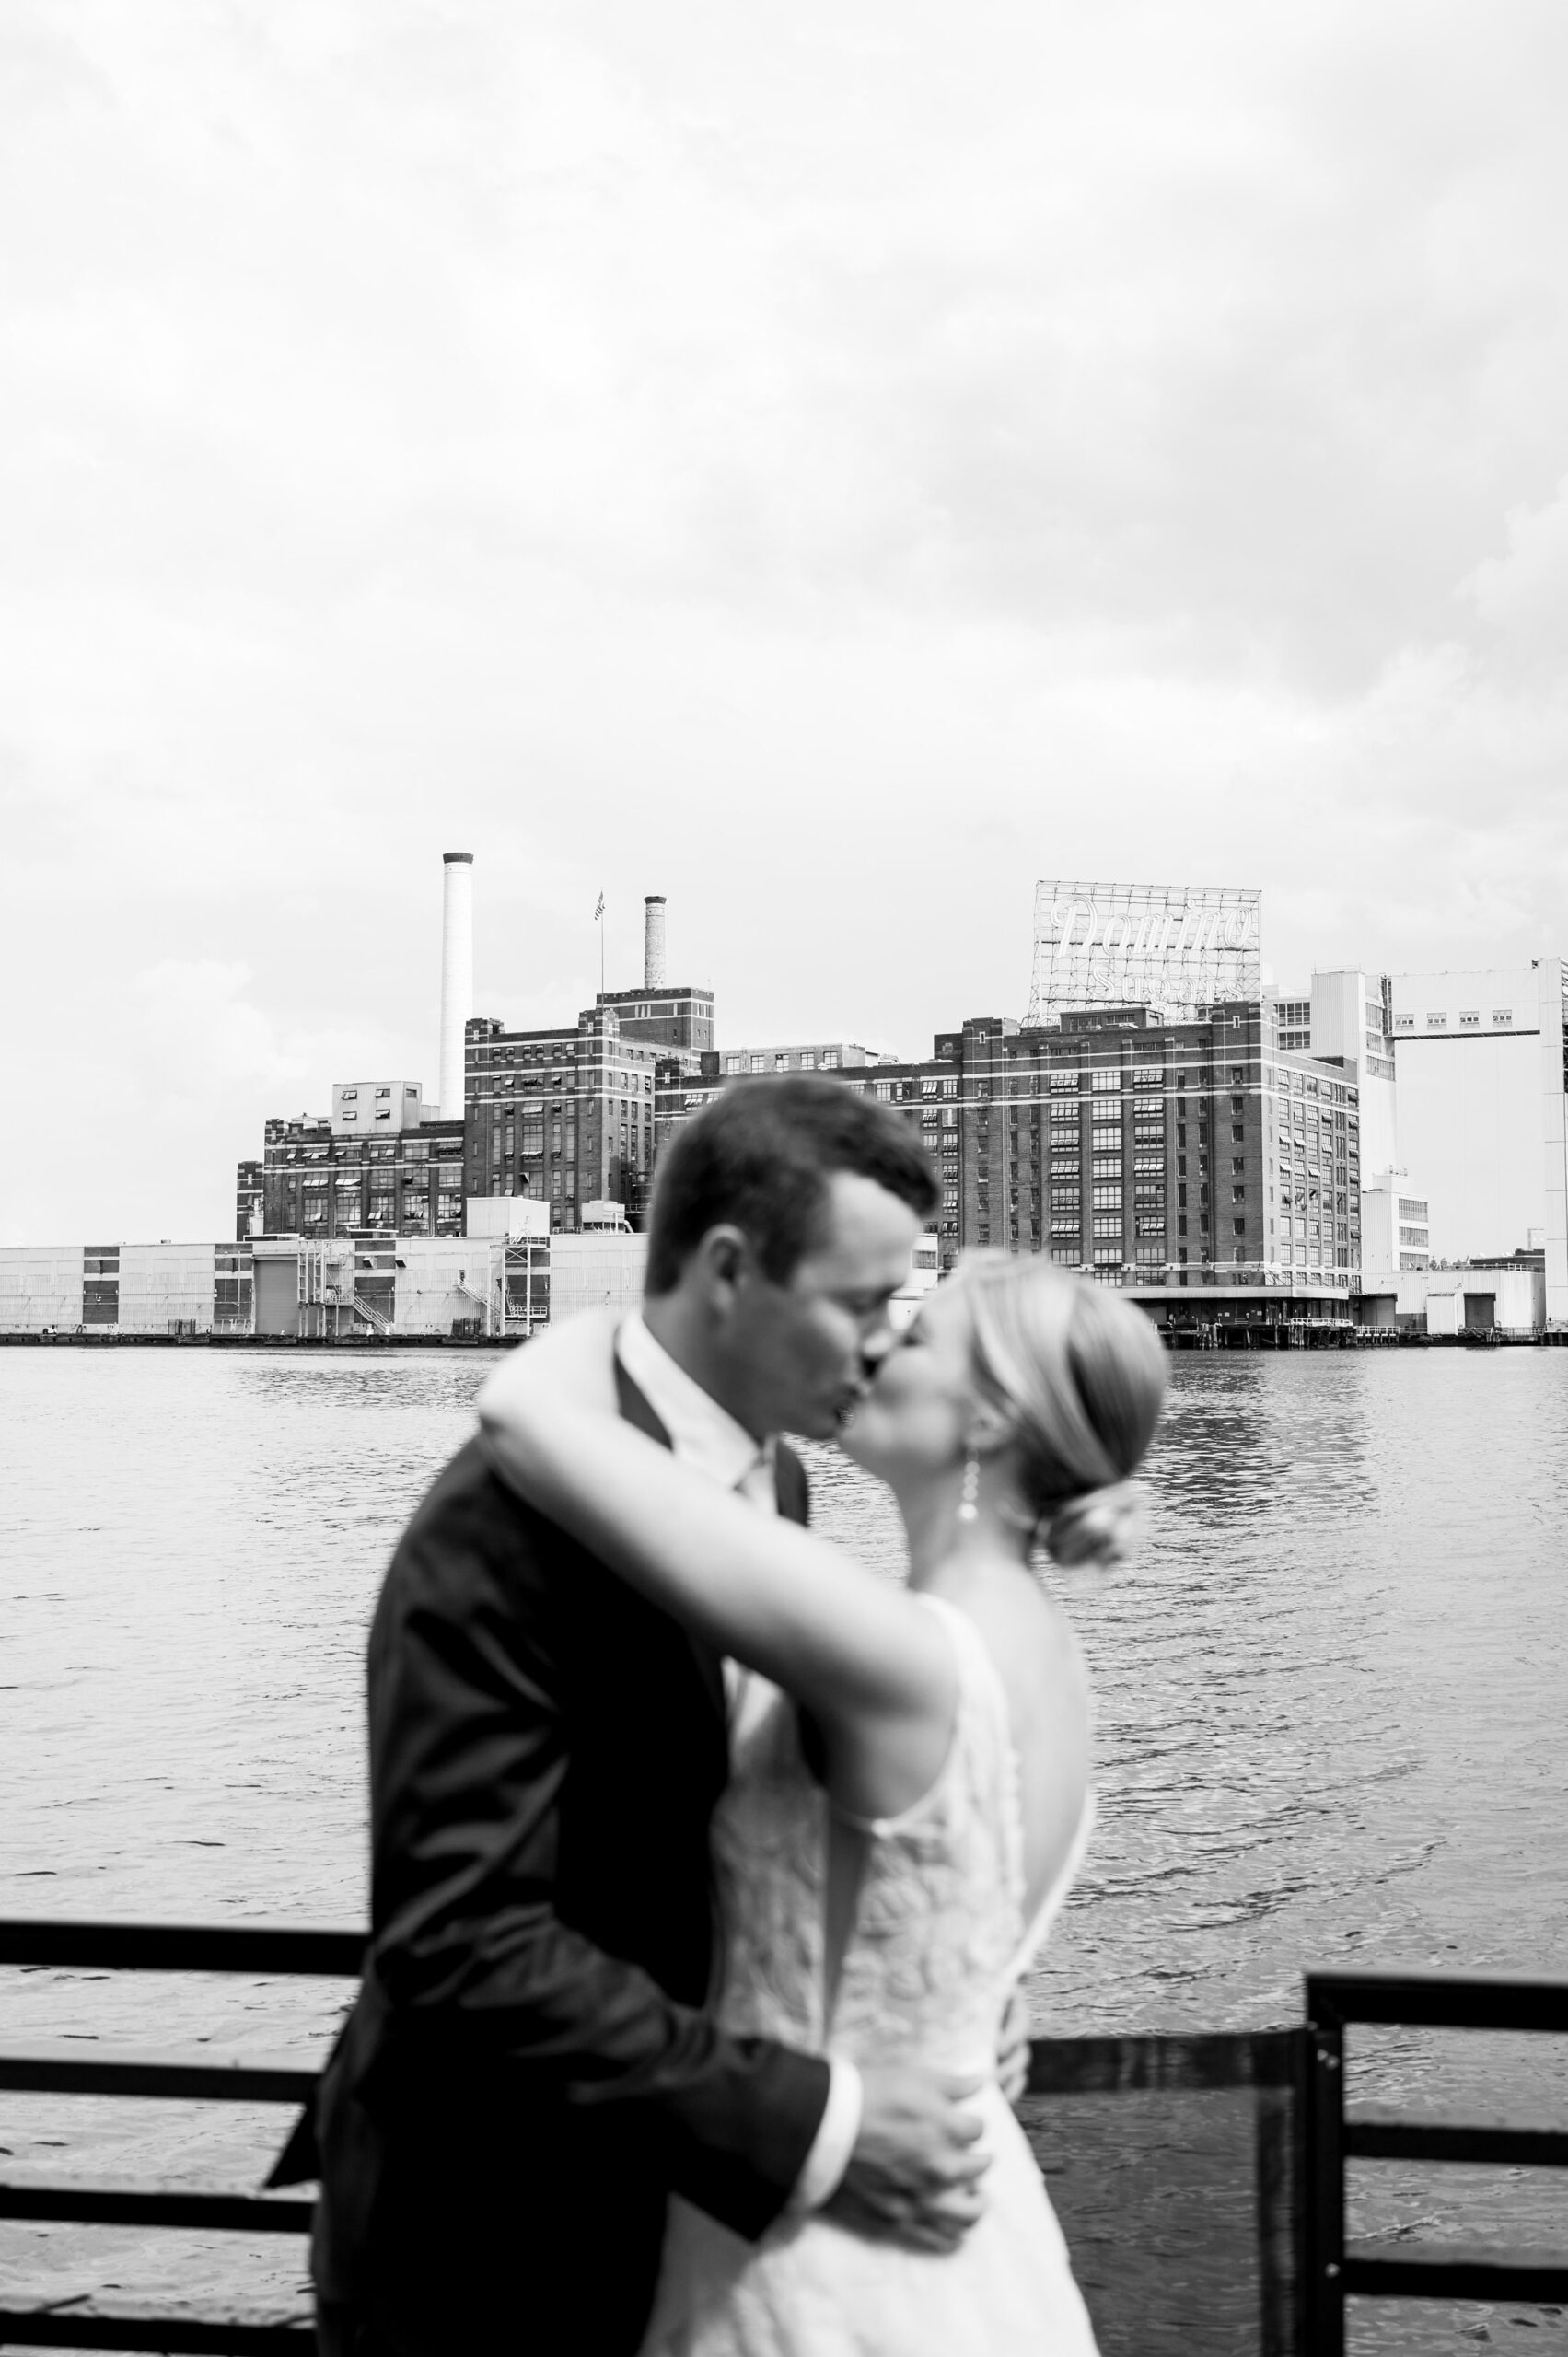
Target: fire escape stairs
pixel 372 1317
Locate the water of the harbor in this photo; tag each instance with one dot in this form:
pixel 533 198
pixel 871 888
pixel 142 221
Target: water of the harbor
pixel 1333 1695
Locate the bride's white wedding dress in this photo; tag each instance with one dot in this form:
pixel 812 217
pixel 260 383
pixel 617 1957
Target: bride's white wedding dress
pixel 938 1938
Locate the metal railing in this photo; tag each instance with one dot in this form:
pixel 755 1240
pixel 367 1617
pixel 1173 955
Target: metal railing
pixel 1335 2270
pixel 262 1949
pixel 1303 2135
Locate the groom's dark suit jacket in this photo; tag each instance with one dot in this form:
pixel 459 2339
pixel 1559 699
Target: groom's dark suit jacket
pixel 530 2066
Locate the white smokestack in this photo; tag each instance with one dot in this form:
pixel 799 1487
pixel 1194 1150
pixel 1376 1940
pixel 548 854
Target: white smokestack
pixel 653 942
pixel 456 975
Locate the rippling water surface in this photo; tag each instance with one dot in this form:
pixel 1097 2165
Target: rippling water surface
pixel 1332 1689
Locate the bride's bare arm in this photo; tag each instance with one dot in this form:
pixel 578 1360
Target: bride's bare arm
pixel 875 1670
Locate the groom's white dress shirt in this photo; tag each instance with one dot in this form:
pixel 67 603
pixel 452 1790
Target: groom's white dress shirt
pixel 704 1436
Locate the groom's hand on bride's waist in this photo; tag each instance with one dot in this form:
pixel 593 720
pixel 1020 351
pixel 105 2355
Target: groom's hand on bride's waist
pixel 916 2168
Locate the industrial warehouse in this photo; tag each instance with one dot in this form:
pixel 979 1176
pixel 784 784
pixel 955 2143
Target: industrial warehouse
pixel 1160 1122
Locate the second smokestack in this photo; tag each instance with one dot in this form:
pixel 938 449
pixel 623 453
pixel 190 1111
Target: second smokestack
pixel 653 942
pixel 456 975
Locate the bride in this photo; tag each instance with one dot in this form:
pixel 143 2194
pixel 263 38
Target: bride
pixel 910 1798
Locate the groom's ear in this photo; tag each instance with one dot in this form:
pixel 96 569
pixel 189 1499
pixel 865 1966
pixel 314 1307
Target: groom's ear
pixel 723 1258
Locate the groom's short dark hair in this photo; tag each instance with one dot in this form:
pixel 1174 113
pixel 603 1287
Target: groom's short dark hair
pixel 758 1157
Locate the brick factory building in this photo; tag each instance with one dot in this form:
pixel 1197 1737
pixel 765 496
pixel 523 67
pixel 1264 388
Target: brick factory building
pixel 322 1177
pixel 565 1117
pixel 1167 1158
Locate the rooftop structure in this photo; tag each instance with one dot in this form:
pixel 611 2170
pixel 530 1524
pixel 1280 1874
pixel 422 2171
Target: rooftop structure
pixel 1170 947
pixel 814 1055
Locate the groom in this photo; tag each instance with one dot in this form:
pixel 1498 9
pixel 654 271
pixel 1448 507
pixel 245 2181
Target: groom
pixel 532 2065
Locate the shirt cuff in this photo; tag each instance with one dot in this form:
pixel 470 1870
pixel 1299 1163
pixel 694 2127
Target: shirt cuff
pixel 836 2133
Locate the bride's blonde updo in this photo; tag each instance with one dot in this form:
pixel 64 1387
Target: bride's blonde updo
pixel 1078 1374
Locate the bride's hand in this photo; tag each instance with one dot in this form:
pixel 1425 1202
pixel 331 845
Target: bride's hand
pixel 571 1365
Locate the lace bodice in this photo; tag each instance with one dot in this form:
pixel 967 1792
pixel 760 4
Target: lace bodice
pixel 939 1933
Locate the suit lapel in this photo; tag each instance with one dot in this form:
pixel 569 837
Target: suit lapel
pixel 638 1409
pixel 789 1482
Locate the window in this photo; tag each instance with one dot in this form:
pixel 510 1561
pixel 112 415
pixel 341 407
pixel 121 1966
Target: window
pixel 1238 1133
pixel 1411 1207
pixel 1065 1199
pixel 1060 1226
pixel 1149 1224
pixel 1404 1023
pixel 1109 1223
pixel 1148 1075
pixel 1108 1199
pixel 1106 1080
pixel 1149 1255
pixel 348 1094
pixel 1469 1019
pixel 1106 1137
pixel 829 1059
pixel 1064 1257
pixel 735 1064
pixel 1105 1166
pixel 1107 1256
pixel 1149 1165
pixel 1436 1022
pixel 383 1092
pixel 350 1114
pixel 1503 1014
pixel 1240 1226
pixel 1064 1081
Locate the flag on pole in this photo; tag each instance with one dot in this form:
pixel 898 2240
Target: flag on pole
pixel 599 911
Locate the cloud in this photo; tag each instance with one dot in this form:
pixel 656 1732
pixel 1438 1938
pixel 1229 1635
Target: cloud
pixel 833 464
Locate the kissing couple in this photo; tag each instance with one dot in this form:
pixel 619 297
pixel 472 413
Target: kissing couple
pixel 706 1860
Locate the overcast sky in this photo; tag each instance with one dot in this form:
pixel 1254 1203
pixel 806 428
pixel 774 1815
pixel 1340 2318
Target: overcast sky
pixel 832 463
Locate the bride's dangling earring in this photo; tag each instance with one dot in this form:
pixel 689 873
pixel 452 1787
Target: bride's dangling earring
pixel 969 1496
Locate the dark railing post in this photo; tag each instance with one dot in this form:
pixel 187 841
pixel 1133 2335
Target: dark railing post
pixel 1323 2203
pixel 1278 2180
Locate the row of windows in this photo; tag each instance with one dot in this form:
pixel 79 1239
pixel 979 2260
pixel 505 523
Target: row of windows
pixel 348 1182
pixel 1469 1019
pixel 780 1059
